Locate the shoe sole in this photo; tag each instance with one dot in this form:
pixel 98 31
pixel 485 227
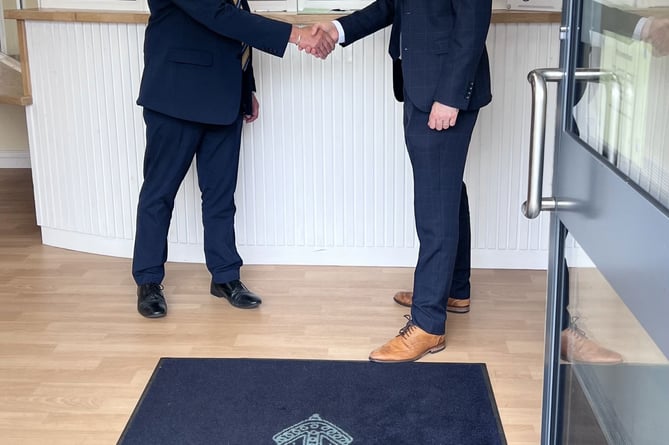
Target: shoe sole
pixel 429 351
pixel 591 362
pixel 453 309
pixel 153 315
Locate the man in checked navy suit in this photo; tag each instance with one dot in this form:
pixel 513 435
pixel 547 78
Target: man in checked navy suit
pixel 442 72
pixel 197 88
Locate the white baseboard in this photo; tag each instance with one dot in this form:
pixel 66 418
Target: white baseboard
pixel 14 159
pixel 370 256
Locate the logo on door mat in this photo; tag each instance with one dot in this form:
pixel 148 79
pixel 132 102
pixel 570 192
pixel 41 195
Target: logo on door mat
pixel 313 431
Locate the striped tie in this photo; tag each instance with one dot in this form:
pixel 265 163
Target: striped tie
pixel 246 50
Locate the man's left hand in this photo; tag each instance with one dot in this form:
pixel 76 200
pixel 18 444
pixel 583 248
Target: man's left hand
pixel 255 110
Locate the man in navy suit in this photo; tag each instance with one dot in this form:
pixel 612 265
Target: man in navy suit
pixel 442 72
pixel 197 88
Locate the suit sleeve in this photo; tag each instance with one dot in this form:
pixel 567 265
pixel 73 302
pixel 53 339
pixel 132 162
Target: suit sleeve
pixel 225 19
pixel 472 20
pixel 368 20
pixel 599 17
pixel 619 21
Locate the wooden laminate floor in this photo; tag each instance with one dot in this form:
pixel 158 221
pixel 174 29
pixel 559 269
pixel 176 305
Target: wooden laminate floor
pixel 75 355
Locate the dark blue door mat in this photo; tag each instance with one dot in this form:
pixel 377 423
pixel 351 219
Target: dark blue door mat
pixel 314 402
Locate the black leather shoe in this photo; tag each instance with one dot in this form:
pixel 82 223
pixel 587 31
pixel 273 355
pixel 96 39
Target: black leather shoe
pixel 151 301
pixel 236 293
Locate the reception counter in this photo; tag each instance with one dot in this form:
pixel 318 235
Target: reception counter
pixel 324 176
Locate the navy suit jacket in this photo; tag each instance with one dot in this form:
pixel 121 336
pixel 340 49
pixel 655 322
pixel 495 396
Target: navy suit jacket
pixel 192 58
pixel 443 53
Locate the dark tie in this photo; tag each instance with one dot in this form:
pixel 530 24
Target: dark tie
pixel 246 50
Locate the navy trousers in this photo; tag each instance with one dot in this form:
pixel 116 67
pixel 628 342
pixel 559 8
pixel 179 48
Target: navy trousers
pixel 171 145
pixel 442 214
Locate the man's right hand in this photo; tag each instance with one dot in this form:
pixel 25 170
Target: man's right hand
pixel 329 28
pixel 656 32
pixel 314 41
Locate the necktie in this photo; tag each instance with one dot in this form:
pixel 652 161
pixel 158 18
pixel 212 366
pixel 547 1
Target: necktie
pixel 246 50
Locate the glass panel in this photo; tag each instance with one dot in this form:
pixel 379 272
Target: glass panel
pixel 9 42
pixel 615 378
pixel 624 116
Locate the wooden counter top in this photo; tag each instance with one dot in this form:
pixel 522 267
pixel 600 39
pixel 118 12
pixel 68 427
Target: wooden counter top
pixel 78 15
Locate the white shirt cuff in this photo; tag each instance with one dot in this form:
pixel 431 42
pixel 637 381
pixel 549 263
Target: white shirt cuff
pixel 340 30
pixel 639 27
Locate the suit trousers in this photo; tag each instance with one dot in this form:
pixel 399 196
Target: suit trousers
pixel 442 214
pixel 171 144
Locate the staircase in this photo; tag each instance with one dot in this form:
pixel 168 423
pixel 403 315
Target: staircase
pixel 11 82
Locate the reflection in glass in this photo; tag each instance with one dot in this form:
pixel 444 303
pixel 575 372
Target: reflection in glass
pixel 605 402
pixel 633 46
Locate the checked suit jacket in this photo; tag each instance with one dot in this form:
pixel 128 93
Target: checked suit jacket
pixel 192 58
pixel 441 44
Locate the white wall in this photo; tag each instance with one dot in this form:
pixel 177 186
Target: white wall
pixel 13 137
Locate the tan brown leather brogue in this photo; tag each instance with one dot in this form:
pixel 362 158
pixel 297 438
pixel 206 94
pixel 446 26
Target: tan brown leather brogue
pixel 576 347
pixel 457 305
pixel 411 344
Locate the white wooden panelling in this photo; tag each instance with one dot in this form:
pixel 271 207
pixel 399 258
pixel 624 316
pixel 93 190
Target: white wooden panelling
pixel 324 175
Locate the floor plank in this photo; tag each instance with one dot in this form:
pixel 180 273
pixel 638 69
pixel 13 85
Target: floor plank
pixel 75 355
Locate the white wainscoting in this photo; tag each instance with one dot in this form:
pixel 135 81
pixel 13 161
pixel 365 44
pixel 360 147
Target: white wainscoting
pixel 324 175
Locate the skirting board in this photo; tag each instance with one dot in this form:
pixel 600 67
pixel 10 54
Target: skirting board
pixel 14 159
pixel 294 255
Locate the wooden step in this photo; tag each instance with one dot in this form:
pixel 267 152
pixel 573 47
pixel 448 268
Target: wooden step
pixel 11 82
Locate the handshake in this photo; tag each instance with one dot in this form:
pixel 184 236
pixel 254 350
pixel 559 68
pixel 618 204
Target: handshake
pixel 319 40
pixel 656 32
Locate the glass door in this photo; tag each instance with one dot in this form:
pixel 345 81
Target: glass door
pixel 606 378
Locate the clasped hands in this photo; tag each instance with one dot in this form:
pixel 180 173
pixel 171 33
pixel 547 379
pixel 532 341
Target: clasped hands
pixel 656 32
pixel 319 40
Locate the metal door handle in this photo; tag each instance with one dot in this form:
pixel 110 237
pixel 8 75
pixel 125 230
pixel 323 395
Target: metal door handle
pixel 537 78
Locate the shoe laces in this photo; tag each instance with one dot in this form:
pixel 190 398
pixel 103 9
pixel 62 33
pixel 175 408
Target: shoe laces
pixel 408 327
pixel 573 326
pixel 154 292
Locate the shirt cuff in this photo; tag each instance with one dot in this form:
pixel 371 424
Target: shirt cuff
pixel 639 28
pixel 340 30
